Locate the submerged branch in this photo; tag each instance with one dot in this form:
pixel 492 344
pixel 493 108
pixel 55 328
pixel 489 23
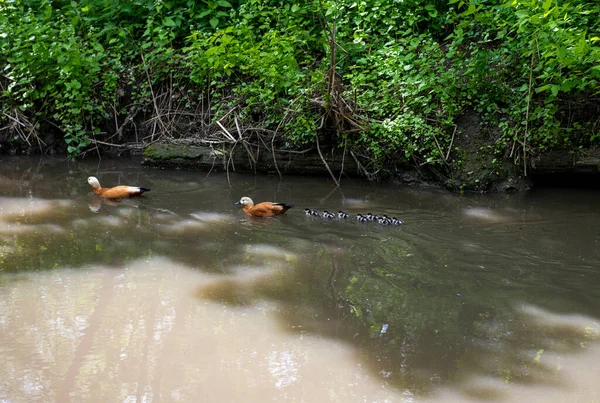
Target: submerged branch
pixel 326 164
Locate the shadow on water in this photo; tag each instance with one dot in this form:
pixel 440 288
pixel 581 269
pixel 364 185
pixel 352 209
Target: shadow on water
pixel 464 290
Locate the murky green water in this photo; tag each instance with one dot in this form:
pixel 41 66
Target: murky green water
pixel 177 296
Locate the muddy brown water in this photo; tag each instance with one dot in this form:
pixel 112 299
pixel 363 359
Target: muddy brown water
pixel 179 297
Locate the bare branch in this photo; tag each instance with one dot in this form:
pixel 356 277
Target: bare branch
pixel 326 164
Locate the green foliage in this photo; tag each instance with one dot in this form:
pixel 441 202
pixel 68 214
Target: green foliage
pixel 556 43
pixel 49 67
pixel 263 64
pixel 404 87
pixel 405 70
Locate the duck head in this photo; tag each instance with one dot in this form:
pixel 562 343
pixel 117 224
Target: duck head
pixel 246 202
pixel 93 181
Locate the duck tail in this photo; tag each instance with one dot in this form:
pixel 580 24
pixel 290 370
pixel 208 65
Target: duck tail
pixel 142 190
pixel 284 205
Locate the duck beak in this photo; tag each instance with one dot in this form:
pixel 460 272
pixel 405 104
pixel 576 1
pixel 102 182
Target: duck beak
pixel 237 202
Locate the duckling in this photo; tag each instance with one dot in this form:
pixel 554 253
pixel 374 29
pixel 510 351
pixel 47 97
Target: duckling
pixel 397 221
pixel 264 209
pixel 342 214
pixel 373 217
pixel 383 221
pixel 118 192
pixel 308 211
pixel 315 213
pixel 388 220
pixel 328 215
pixel 361 218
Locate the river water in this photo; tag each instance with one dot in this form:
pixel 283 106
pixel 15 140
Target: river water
pixel 179 297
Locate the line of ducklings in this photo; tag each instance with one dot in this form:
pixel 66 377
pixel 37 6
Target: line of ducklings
pixel 369 217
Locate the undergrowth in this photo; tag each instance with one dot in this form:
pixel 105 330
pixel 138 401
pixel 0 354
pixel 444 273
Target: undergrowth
pixel 385 80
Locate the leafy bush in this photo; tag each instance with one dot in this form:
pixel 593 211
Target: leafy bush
pixel 387 79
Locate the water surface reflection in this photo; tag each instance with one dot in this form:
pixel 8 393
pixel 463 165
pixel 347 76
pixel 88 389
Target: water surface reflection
pixel 179 297
pixel 140 334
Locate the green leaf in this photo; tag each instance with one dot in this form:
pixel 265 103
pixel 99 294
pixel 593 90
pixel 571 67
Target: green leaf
pixel 554 90
pixel 567 85
pixel 547 5
pixel 522 14
pixel 169 22
pixel 470 10
pixel 543 88
pixel 214 22
pixel 224 3
pixel 203 13
pixel 212 51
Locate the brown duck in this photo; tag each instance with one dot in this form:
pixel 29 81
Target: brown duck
pixel 264 209
pixel 118 192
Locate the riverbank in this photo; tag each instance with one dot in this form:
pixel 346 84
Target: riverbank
pixel 559 168
pixel 475 171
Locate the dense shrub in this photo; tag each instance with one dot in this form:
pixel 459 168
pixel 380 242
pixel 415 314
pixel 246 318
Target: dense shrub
pixel 384 78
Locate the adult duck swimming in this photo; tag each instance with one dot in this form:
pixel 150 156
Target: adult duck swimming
pixel 117 192
pixel 264 209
